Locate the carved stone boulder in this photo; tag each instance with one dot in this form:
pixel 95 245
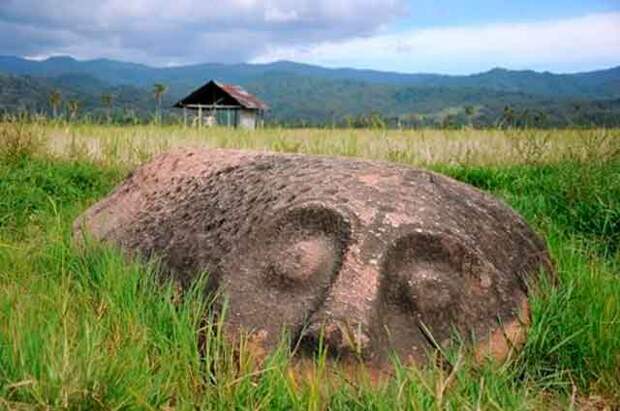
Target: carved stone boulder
pixel 371 257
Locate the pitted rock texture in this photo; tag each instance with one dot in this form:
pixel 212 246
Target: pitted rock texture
pixel 372 257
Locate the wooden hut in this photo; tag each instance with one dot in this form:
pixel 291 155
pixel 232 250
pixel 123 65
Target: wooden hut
pixel 223 104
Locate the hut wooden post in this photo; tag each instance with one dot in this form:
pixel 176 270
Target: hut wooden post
pixel 199 116
pixel 228 118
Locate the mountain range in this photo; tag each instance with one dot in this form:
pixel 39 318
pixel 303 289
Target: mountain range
pixel 302 93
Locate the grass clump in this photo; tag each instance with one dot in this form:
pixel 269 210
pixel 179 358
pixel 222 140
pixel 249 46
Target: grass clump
pixel 572 197
pixel 19 141
pixel 31 190
pixel 93 332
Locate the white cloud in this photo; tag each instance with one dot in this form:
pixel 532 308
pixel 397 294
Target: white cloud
pixel 161 31
pixel 579 43
pixel 274 14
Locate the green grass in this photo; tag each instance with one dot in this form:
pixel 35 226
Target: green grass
pixel 571 197
pixel 83 328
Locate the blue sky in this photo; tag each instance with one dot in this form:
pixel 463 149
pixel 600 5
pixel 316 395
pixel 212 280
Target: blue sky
pixel 443 36
pixel 429 13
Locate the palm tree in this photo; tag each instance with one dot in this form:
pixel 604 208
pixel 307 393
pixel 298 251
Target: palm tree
pixel 508 117
pixel 55 99
pixel 469 112
pixel 159 90
pixel 106 100
pixel 73 106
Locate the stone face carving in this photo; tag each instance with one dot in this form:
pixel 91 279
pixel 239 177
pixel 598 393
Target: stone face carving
pixel 374 258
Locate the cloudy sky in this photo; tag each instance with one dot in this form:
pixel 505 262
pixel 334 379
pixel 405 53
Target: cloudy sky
pixel 446 36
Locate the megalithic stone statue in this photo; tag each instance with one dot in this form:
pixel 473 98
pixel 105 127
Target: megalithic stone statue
pixel 373 257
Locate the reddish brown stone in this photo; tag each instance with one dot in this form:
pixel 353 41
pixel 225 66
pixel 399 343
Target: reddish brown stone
pixel 375 257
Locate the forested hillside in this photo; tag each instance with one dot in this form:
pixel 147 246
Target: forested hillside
pixel 300 94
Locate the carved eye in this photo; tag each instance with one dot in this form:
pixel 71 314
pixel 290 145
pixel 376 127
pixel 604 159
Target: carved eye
pixel 278 278
pixel 305 249
pixel 426 274
pixel 425 287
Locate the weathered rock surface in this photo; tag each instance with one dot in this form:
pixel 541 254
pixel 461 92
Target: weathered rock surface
pixel 377 257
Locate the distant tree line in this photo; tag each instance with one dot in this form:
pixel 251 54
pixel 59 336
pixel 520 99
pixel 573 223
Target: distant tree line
pixel 509 117
pixel 302 108
pixel 71 110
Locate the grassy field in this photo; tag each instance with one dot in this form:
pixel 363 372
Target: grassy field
pixel 85 329
pixel 131 145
